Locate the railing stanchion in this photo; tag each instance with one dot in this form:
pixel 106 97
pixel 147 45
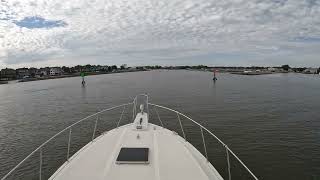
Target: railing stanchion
pixel 121 116
pixel 184 135
pixel 204 143
pixel 148 106
pixel 40 166
pixel 228 160
pixel 134 109
pixel 158 115
pixel 95 128
pixel 69 142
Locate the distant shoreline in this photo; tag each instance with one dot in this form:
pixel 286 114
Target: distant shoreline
pixel 249 73
pixel 65 76
pixel 253 73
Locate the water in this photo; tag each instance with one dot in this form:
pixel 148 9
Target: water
pixel 271 122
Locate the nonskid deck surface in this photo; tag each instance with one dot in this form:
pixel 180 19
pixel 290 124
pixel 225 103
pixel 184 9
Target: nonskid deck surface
pixel 170 157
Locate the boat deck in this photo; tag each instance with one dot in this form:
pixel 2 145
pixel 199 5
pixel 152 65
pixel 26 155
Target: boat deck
pixel 170 157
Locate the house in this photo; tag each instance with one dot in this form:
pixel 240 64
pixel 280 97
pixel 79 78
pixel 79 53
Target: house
pixel 55 71
pixel 8 74
pixel 271 69
pixel 22 73
pixel 104 68
pixel 43 72
pixel 310 71
pixel 124 66
pixel 33 72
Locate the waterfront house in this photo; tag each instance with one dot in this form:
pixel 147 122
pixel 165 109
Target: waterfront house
pixel 271 69
pixel 124 66
pixel 22 73
pixel 8 74
pixel 43 72
pixel 104 68
pixel 99 68
pixel 310 71
pixel 55 71
pixel 33 72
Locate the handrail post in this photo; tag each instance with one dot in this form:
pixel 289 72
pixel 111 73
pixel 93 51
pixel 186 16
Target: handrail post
pixel 134 109
pixel 69 142
pixel 148 106
pixel 121 116
pixel 95 128
pixel 184 135
pixel 40 166
pixel 204 144
pixel 228 160
pixel 158 115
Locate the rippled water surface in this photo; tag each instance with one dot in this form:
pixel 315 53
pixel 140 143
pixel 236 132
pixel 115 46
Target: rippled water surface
pixel 271 122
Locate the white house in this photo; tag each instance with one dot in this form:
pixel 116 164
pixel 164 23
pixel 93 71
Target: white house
pixel 310 71
pixel 43 72
pixel 272 69
pixel 55 71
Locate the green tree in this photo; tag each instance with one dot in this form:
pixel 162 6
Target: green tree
pixel 285 67
pixel 114 67
pixel 66 69
pixel 78 68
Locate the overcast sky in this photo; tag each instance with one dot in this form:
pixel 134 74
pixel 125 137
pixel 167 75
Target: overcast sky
pixel 166 32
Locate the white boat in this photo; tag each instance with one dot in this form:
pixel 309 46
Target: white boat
pixel 137 151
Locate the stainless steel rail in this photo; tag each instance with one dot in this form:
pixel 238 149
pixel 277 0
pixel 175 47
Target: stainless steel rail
pixel 134 103
pixel 69 140
pixel 228 150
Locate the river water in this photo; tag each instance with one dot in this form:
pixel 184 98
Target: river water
pixel 272 122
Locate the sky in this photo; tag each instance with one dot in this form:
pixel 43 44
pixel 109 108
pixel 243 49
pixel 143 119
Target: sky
pixel 36 33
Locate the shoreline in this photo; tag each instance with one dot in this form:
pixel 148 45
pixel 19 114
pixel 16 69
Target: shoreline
pixel 63 76
pixel 254 73
pixel 127 71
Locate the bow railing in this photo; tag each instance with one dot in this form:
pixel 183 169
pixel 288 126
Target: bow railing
pixel 96 118
pixel 228 151
pixel 97 122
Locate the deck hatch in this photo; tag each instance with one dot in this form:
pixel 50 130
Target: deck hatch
pixel 133 156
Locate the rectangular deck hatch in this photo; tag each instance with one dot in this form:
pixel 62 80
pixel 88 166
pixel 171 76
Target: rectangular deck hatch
pixel 133 156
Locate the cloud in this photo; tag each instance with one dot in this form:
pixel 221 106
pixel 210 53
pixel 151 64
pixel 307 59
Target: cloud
pixel 160 32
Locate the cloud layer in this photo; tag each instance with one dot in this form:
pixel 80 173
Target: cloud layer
pixel 239 32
